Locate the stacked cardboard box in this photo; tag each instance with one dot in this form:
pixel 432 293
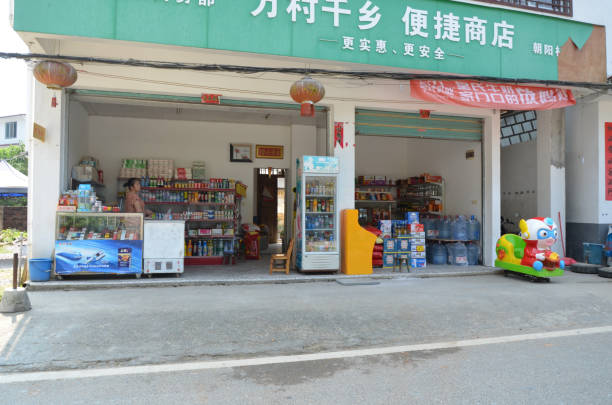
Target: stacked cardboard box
pixel 417 246
pixel 133 168
pixel 159 168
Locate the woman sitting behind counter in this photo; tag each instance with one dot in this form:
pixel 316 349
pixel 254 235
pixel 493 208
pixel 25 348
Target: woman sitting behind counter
pixel 133 202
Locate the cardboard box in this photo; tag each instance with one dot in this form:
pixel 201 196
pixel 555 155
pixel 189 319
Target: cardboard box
pixel 417 248
pixel 390 245
pixel 386 227
pixel 412 217
pixel 388 260
pixel 418 263
pixel 417 242
pixel 403 245
pixel 418 255
pixel 417 228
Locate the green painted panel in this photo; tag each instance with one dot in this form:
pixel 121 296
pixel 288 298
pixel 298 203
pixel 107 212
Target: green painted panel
pixel 386 123
pixel 514 44
pixel 186 99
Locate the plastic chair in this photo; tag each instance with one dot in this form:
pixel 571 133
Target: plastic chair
pixel 274 259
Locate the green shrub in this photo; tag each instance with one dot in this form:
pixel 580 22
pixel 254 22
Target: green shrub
pixel 11 235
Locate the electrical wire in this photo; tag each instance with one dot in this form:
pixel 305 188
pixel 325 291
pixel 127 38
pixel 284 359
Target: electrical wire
pixel 298 70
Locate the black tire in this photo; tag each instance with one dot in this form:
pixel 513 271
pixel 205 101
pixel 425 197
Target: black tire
pixel 585 268
pixel 605 272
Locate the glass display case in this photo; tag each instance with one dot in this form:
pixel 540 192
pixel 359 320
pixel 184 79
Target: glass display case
pixel 98 243
pixel 318 215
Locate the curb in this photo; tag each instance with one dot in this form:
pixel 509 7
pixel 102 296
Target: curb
pixel 165 283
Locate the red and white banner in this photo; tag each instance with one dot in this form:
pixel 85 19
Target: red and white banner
pixel 491 95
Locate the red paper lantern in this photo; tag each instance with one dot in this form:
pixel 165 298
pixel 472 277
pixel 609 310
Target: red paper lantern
pixel 56 75
pixel 424 113
pixel 307 92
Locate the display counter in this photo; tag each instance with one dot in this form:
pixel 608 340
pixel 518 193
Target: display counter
pixel 93 243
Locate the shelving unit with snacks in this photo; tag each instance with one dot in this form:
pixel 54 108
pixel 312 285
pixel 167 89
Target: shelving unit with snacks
pixel 375 201
pixel 421 195
pixel 210 209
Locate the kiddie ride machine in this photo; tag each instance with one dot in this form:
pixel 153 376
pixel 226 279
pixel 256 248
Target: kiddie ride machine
pixel 529 254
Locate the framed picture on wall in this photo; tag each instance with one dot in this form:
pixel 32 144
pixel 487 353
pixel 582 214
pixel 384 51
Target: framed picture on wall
pixel 241 152
pixel 269 151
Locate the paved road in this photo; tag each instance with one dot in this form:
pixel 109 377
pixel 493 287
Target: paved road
pixel 118 328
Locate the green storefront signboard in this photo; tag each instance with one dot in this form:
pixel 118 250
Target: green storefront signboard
pixel 431 35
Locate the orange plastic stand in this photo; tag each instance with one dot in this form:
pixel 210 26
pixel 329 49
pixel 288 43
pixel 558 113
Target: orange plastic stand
pixel 357 245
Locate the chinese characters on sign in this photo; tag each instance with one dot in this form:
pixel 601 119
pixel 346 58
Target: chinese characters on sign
pixel 447 27
pixel 608 175
pixel 205 3
pixel 491 95
pixel 269 151
pixel 211 98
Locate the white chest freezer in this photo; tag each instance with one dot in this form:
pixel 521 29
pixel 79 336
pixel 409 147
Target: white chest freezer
pixel 164 247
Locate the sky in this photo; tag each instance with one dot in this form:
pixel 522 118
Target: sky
pixel 13 73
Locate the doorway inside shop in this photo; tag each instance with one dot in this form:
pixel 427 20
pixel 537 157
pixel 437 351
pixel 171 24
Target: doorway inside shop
pixel 271 202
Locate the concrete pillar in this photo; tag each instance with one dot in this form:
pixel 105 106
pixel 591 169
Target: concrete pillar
pixel 345 113
pixel 551 167
pixel 491 188
pixel 44 173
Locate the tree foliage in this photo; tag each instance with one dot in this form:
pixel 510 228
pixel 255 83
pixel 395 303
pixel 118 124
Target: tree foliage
pixel 17 156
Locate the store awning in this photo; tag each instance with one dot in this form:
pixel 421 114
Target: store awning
pixel 499 96
pixel 12 180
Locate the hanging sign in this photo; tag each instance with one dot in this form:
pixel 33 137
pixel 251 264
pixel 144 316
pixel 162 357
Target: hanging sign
pixel 39 132
pixel 339 134
pixel 211 98
pixel 491 95
pixel 608 175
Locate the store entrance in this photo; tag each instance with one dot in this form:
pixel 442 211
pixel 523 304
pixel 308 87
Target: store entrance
pixel 426 169
pixel 271 201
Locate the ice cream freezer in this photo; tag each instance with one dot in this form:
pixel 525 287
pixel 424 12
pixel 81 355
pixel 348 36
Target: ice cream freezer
pixel 164 247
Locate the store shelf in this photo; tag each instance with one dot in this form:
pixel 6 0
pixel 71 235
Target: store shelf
pixel 203 260
pixel 376 201
pixel 420 184
pixel 376 185
pixel 321 229
pixel 189 203
pixel 319 196
pixel 320 213
pixel 210 220
pixel 422 197
pixel 224 190
pixel 205 237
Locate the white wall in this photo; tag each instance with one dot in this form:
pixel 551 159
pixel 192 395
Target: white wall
pixel 605 115
pixel 78 136
pixel 582 162
pixel 405 157
pixel 519 181
pixel 112 139
pixel 21 130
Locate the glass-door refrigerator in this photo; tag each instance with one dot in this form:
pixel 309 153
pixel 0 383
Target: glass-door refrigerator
pixel 317 215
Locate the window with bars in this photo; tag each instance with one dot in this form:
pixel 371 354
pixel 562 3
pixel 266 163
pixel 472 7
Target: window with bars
pixel 518 126
pixel 10 130
pixel 562 7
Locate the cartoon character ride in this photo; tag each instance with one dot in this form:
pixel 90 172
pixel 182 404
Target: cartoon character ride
pixel 530 253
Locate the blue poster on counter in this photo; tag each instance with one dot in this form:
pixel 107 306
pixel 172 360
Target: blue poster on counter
pixel 98 256
pixel 320 164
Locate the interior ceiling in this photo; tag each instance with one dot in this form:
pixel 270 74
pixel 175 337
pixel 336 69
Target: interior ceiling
pixel 113 107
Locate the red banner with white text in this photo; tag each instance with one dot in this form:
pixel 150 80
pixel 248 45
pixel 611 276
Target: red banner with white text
pixel 491 95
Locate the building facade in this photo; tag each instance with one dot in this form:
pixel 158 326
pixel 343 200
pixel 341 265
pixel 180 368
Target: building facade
pixel 13 130
pixel 144 111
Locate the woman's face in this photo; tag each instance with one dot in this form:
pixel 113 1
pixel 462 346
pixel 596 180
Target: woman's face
pixel 136 186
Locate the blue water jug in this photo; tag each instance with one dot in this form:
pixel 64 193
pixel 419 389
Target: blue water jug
pixel 439 254
pixel 445 228
pixel 473 251
pixel 459 228
pixel 460 254
pixel 473 229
